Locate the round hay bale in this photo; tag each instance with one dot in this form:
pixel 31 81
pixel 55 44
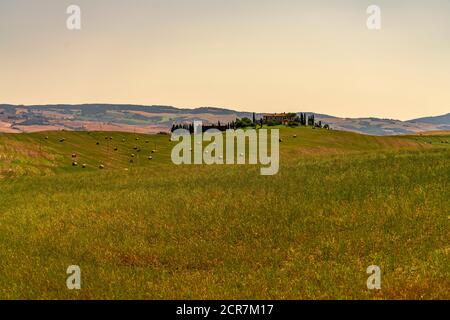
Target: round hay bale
pixel 74 155
pixel 294 136
pixel 84 165
pixel 97 143
pixel 101 166
pixel 281 140
pixel 74 164
pixel 137 139
pixel 115 149
pixel 131 161
pixel 146 141
pixel 150 158
pixel 153 151
pixel 135 148
pixel 46 138
pixel 138 150
pixel 62 140
pixel 132 155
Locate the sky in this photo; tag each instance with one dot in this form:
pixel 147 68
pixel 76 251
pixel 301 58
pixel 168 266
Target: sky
pixel 248 55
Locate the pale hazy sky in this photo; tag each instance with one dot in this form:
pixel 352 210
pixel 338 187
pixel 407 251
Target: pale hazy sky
pixel 254 55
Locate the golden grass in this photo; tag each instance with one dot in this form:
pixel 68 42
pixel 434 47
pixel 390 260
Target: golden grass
pixel 160 231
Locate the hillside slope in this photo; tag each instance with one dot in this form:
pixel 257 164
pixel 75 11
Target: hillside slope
pixel 153 119
pixel 152 230
pixel 439 120
pixel 49 152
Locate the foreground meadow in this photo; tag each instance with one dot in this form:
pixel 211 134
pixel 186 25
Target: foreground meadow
pixel 153 230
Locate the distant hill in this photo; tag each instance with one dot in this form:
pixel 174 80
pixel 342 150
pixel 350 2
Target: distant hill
pixel 384 127
pixel 112 117
pixel 439 120
pixel 156 118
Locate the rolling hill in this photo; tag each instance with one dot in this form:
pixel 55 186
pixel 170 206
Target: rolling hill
pixel 153 119
pixel 439 120
pixel 149 229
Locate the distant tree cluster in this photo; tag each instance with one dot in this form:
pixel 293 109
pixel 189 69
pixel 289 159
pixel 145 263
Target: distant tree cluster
pixel 186 126
pixel 236 124
pixel 219 126
pixel 302 119
pixel 293 120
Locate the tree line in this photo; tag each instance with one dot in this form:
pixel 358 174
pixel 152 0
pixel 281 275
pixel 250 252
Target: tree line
pixel 301 119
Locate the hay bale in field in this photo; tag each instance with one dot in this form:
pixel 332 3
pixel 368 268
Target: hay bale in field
pixel 62 140
pixel 46 137
pixel 74 155
pixel 153 151
pixel 281 140
pixel 97 143
pixel 132 155
pixel 137 139
pixel 131 160
pixel 84 165
pixel 146 141
pixel 101 166
pixel 150 158
pixel 115 149
pixel 74 164
pixel 138 150
pixel 135 147
pixel 294 136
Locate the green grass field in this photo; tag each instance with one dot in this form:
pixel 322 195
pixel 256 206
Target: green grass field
pixel 153 230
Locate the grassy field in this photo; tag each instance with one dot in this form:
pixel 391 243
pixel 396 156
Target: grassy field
pixel 152 230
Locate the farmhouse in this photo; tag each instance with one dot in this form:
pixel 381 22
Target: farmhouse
pixel 276 118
